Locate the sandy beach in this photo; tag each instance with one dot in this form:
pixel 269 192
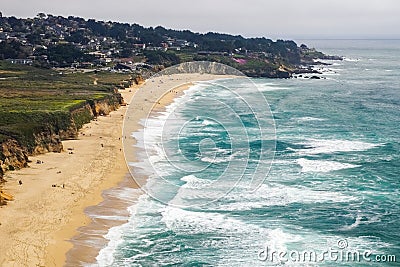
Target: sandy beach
pixel 37 227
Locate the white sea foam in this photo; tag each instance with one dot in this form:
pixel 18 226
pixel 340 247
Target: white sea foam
pixel 277 239
pixel 363 218
pixel 195 183
pixel 318 146
pixel 278 195
pixel 115 238
pixel 195 222
pixel 356 223
pixel 237 155
pixel 208 122
pixel 151 137
pixel 198 222
pixel 309 119
pixel 331 72
pixel 351 59
pixel 236 235
pixel 323 165
pixel 216 159
pixel 270 87
pixel 106 255
pixel 326 71
pixel 337 69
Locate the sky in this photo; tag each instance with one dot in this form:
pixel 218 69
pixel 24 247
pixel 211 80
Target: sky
pixel 250 18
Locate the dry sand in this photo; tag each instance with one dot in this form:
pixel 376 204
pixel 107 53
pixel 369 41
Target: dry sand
pixel 36 228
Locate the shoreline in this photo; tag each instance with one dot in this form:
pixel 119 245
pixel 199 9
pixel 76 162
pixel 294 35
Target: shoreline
pixel 41 220
pixel 44 222
pixel 174 89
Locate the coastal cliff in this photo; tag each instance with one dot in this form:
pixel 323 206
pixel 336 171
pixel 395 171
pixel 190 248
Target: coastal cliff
pixel 202 67
pixel 16 149
pixel 12 156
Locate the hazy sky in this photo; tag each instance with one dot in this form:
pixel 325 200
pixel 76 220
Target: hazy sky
pixel 275 19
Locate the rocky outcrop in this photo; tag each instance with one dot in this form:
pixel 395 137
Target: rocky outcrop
pixel 1 176
pixel 102 108
pixel 12 156
pixel 47 141
pixel 139 80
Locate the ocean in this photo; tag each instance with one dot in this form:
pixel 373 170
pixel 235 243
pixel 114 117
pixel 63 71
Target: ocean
pixel 273 172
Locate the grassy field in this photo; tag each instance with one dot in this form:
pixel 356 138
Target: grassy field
pixel 26 81
pixel 31 98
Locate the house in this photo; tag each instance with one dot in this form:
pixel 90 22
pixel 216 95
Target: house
pixel 127 67
pixel 124 67
pixel 98 54
pixel 140 46
pixel 181 43
pixel 25 61
pixel 156 48
pixel 176 48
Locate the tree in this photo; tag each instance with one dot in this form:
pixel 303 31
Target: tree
pixel 161 58
pixel 65 54
pixel 126 52
pixel 96 27
pixel 77 37
pixel 41 15
pixel 12 49
pixel 34 38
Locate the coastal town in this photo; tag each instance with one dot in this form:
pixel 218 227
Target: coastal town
pixel 51 41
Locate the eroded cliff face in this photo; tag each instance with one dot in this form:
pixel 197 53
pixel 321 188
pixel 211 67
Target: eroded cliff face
pixel 138 80
pixel 102 108
pixel 47 141
pixel 15 156
pixel 203 67
pixel 12 156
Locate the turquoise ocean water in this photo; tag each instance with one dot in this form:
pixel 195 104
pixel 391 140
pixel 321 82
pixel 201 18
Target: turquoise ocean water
pixel 331 196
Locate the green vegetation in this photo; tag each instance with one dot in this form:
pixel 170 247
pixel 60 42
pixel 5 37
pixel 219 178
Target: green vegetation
pixel 34 100
pixel 23 125
pixel 15 78
pixel 80 118
pixel 65 54
pixel 166 59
